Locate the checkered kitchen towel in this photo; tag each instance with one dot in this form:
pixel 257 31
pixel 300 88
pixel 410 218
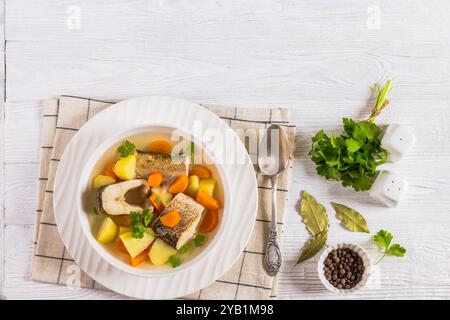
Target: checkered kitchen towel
pixel 51 262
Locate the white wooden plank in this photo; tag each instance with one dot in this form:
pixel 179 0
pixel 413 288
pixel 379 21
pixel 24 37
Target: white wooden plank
pixel 2 147
pixel 401 21
pixel 253 72
pixel 18 284
pixel 21 182
pixel 142 20
pixel 22 132
pixel 2 201
pixel 250 51
pixel 2 50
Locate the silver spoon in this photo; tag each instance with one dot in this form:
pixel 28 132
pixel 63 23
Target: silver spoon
pixel 273 159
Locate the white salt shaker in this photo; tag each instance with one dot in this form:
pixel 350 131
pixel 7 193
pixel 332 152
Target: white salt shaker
pixel 389 188
pixel 397 140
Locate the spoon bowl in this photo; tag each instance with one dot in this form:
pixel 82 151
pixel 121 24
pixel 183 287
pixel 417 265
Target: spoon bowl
pixel 273 155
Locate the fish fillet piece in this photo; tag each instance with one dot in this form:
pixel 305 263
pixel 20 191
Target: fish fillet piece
pixel 112 199
pixel 190 214
pixel 149 162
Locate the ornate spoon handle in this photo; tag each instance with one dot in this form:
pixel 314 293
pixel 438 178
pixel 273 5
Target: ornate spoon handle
pixel 272 258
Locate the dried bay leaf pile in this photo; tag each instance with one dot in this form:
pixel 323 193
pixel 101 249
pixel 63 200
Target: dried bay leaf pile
pixel 315 218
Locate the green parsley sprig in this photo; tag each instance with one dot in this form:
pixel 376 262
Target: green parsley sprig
pixel 175 259
pixel 140 221
pixel 199 240
pixel 185 248
pixel 383 239
pixel 353 157
pixel 126 149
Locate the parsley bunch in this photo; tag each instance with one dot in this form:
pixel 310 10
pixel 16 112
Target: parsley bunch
pixel 353 157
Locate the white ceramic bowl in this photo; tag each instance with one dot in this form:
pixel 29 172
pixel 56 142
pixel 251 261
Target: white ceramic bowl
pixel 85 187
pixel 366 261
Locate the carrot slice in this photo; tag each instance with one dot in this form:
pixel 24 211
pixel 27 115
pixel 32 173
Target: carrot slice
pixel 110 172
pixel 139 258
pixel 156 202
pixel 179 185
pixel 155 179
pixel 171 219
pixel 200 171
pixel 209 221
pixel 121 247
pixel 160 146
pixel 207 201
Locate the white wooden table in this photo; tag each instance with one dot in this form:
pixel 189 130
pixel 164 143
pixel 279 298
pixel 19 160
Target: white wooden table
pixel 317 57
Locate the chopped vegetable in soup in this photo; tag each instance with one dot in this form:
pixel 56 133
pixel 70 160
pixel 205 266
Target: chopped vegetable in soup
pixel 153 210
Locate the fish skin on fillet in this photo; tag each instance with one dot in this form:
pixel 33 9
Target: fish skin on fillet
pixel 190 215
pixel 150 162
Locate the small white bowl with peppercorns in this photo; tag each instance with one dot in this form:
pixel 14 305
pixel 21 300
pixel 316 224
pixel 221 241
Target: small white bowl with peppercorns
pixel 344 268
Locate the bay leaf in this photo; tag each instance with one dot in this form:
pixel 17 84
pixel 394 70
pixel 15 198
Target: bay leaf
pixel 350 218
pixel 313 246
pixel 314 214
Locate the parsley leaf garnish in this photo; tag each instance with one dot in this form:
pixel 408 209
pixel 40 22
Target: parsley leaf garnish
pixel 397 250
pixel 175 261
pixel 198 240
pixel 140 222
pixel 95 210
pixel 383 239
pixel 126 149
pixel 184 249
pixel 147 216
